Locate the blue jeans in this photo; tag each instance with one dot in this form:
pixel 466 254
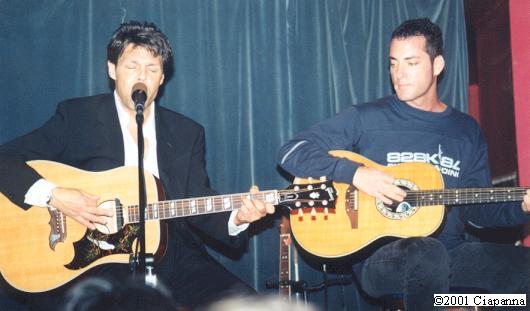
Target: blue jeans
pixel 417 268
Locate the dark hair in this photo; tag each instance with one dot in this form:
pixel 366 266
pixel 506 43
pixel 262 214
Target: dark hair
pixel 106 294
pixel 146 35
pixel 422 27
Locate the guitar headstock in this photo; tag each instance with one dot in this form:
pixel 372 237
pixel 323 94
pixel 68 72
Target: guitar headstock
pixel 313 195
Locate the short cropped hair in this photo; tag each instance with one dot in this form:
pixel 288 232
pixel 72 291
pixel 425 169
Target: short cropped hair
pixel 422 27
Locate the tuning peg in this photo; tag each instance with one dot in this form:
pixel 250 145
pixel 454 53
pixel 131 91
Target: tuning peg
pixel 309 187
pixel 300 213
pixel 323 178
pixel 297 204
pixel 296 188
pixel 311 203
pixel 325 202
pixel 313 212
pixel 310 179
pixel 323 186
pixel 326 211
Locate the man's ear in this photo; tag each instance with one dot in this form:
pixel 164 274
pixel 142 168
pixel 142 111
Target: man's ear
pixel 112 70
pixel 438 65
pixel 162 80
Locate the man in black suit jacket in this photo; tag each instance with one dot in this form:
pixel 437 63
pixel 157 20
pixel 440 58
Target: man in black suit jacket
pixel 99 133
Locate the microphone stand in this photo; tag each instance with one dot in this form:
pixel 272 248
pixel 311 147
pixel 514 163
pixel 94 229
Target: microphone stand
pixel 304 287
pixel 142 262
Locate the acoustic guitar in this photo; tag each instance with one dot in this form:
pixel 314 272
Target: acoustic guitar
pixel 360 219
pixel 42 249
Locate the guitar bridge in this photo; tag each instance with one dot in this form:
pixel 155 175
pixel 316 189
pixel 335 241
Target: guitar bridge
pixel 352 197
pixel 57 227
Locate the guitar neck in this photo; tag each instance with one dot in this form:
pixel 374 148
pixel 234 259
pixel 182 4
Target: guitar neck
pixel 197 206
pixel 465 196
pixel 284 286
pixel 285 266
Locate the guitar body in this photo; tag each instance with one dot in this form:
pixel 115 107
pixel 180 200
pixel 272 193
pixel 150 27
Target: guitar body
pixel 29 261
pixel 357 222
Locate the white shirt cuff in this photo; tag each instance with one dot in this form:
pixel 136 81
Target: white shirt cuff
pixel 40 193
pixel 234 230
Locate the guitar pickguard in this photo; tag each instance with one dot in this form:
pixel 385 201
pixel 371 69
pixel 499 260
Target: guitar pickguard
pixel 95 245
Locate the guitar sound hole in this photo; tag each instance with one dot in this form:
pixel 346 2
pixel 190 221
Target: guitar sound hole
pixel 398 210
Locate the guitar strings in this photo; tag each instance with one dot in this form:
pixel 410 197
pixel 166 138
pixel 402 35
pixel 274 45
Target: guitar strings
pixel 192 206
pixel 470 195
pixel 184 207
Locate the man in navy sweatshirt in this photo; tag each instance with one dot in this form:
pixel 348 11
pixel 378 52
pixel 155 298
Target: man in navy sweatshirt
pixel 415 125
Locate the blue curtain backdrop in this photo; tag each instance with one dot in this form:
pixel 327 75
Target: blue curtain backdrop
pixel 254 73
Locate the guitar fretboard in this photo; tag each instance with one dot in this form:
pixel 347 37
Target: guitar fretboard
pixel 285 267
pixel 465 196
pixel 197 206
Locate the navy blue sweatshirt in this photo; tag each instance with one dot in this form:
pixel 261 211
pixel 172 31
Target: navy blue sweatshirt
pixel 388 131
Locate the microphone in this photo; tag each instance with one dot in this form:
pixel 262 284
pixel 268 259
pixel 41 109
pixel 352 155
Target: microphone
pixel 139 96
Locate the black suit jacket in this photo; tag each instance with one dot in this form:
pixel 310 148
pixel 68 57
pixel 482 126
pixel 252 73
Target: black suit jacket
pixel 85 133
